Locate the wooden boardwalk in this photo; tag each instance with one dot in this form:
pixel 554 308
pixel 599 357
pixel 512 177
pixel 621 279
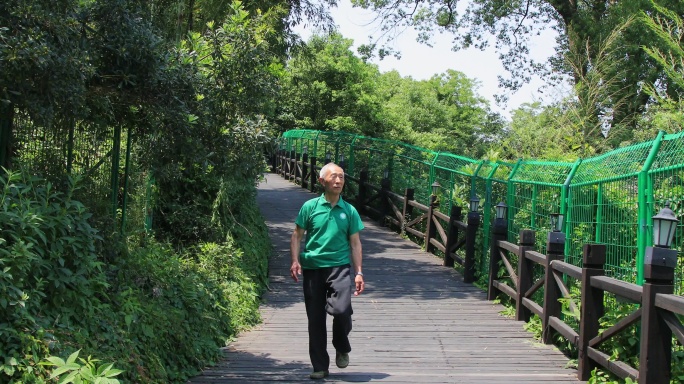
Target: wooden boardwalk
pixel 417 322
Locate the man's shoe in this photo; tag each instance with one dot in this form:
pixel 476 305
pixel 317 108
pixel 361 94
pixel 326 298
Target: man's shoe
pixel 318 375
pixel 342 360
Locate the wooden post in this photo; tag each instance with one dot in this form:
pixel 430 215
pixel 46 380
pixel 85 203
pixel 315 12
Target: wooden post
pixel 363 190
pixel 452 235
pixel 385 210
pixel 305 170
pixel 593 259
pixel 471 238
pixel 283 165
pixel 291 165
pixel 555 247
pixel 314 174
pixel 297 174
pixel 655 355
pixel 431 229
pixel 525 274
pixel 407 211
pixel 499 233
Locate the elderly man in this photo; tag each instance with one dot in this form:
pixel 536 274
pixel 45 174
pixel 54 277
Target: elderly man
pixel 332 230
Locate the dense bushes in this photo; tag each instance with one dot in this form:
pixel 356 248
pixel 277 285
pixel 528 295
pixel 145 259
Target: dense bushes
pixel 158 313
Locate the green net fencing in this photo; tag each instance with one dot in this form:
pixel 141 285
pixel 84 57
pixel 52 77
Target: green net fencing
pixel 98 155
pixel 608 199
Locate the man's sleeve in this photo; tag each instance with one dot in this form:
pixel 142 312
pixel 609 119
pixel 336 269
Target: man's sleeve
pixel 355 223
pixel 302 217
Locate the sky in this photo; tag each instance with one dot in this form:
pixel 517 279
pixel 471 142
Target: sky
pixel 422 62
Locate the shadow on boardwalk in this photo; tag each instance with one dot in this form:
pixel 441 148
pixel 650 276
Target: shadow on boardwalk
pixel 417 322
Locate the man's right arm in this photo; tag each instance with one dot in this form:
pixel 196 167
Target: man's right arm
pixel 295 241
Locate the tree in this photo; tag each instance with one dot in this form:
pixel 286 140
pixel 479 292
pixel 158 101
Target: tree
pixel 538 132
pixel 442 113
pixel 328 88
pixel 582 28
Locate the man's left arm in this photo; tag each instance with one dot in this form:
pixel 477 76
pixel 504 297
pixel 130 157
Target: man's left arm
pixel 356 255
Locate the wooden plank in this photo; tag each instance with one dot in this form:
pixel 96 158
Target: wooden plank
pixel 564 329
pixel 616 328
pixel 532 306
pixel 568 269
pixel 619 368
pixel 537 257
pixel 440 230
pixel 673 323
pixel 417 322
pixel 672 303
pixel 503 287
pixel 623 289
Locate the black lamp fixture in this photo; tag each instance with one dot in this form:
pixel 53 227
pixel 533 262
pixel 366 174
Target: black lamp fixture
pixel 385 174
pixel 341 158
pixel 556 222
pixel 435 187
pixel 474 204
pixel 328 155
pixel 664 225
pixel 501 209
pixel 305 150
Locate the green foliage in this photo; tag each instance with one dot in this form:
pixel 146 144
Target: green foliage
pixel 158 314
pixel 327 88
pixel 601 376
pixel 197 112
pixel 51 275
pixel 84 372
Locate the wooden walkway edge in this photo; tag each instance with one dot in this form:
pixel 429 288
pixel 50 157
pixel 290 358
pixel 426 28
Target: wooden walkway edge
pixel 417 322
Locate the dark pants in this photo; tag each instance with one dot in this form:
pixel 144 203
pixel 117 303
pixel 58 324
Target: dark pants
pixel 327 290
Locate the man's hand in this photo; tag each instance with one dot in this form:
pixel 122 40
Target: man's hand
pixel 295 271
pixel 358 281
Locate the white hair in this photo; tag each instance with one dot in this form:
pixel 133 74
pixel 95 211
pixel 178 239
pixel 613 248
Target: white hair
pixel 326 169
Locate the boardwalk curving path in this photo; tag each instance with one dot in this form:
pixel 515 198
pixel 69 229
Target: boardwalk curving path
pixel 417 322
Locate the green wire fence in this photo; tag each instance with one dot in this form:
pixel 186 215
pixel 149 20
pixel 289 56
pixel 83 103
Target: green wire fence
pixel 99 155
pixel 608 199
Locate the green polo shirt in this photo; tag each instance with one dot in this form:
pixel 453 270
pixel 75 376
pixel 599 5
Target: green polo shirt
pixel 327 232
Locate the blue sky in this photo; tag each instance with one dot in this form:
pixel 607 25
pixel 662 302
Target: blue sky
pixel 422 62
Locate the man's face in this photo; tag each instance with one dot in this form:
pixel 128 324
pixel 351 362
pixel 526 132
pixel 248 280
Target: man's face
pixel 333 180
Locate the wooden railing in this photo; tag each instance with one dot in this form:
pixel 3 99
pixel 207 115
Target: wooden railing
pixel 657 311
pixel 658 307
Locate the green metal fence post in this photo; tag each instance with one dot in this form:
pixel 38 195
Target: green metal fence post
pixel 116 154
pixel 598 230
pixel 124 207
pixel 70 146
pixel 6 122
pixel 487 214
pixel 566 204
pixel 510 197
pixel 645 194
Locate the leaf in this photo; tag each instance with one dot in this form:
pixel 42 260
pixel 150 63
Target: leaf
pixel 65 368
pixel 56 361
pixel 73 356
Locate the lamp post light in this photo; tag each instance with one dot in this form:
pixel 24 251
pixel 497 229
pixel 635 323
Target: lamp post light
pixel 385 174
pixel 500 223
pixel 555 242
pixel 435 188
pixel 474 204
pixel 660 261
pixel 328 156
pixel 501 210
pixel 341 161
pixel 499 233
pixel 305 150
